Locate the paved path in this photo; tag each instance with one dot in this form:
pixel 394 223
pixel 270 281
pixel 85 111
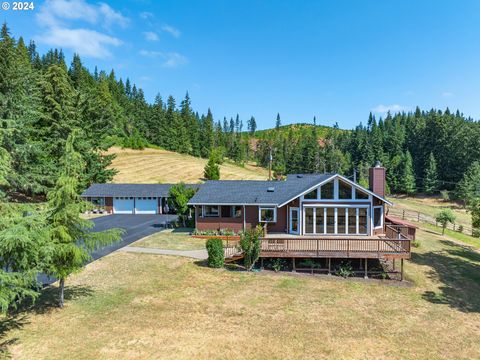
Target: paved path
pixel 196 254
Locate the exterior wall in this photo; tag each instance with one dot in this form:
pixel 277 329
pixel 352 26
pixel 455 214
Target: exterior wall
pixel 217 223
pixel 281 225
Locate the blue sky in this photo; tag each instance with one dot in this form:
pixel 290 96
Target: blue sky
pixel 337 60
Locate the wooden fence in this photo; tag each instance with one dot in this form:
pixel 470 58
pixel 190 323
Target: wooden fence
pixel 411 215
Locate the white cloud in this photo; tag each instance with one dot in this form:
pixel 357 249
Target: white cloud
pixel 146 15
pixel 151 36
pixel 83 41
pixel 170 59
pixel 60 22
pixel 112 17
pixel 383 109
pixel 447 94
pixel 174 59
pixel 171 30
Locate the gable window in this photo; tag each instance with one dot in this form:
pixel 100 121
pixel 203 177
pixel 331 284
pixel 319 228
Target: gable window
pixel 312 194
pixel 377 217
pixel 327 191
pixel 211 211
pixel 267 214
pixel 360 195
pixel 344 190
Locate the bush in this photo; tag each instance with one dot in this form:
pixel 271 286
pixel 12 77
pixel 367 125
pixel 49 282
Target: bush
pixel 345 270
pixel 250 244
pixel 416 243
pixel 476 233
pixel 278 265
pixel 216 256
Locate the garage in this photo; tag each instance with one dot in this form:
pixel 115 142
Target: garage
pixel 123 205
pixel 146 205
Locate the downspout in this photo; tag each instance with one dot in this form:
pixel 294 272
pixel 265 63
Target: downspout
pixel 244 220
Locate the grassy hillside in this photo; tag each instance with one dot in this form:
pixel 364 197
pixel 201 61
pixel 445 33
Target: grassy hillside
pixel 153 166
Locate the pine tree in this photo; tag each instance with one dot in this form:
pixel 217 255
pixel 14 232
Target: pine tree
pixel 71 235
pixel 278 123
pixel 408 185
pixel 430 181
pixel 212 170
pixel 252 126
pixel 207 135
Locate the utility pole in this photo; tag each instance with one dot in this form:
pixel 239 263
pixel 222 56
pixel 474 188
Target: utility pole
pixel 270 159
pixel 354 175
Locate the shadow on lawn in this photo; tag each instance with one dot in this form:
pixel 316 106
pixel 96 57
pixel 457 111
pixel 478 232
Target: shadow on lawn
pixel 47 301
pixel 458 270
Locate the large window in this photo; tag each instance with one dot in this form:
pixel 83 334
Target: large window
pixel 344 190
pixel 320 220
pixel 309 221
pixel 327 191
pixel 336 220
pixel 341 221
pixel 378 217
pixel 360 195
pixel 362 221
pixel 211 211
pixel 267 215
pixel 312 194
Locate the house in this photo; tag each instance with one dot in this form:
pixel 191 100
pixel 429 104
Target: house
pixel 303 204
pixel 130 198
pixel 306 216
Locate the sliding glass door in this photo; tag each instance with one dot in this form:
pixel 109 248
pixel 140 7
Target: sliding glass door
pixel 336 220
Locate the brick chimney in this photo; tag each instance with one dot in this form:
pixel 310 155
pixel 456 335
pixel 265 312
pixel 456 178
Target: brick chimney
pixel 377 179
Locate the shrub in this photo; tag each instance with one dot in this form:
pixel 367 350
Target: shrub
pixel 476 233
pixel 416 243
pixel 278 265
pixel 460 228
pixel 445 195
pixel 216 256
pixel 250 244
pixel 345 270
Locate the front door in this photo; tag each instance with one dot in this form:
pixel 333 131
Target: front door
pixel 294 221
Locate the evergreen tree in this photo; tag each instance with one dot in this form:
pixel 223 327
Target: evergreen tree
pixel 278 123
pixel 252 126
pixel 207 135
pixel 212 170
pixel 469 187
pixel 71 235
pixel 408 185
pixel 430 181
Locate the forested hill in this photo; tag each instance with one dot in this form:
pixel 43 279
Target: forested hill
pixel 43 99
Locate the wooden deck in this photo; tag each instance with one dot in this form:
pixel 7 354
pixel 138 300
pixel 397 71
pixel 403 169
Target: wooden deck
pixel 393 245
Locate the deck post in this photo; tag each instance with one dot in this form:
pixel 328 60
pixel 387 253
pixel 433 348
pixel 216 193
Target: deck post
pixel 401 273
pixel 366 270
pixel 293 265
pixel 393 264
pixel 329 267
pixel 261 263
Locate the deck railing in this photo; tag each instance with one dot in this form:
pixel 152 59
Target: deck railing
pixel 395 244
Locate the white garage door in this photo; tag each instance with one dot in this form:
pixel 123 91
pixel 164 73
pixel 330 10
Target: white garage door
pixel 123 205
pixel 146 205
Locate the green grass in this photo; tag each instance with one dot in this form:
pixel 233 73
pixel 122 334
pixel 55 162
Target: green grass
pixel 455 235
pixel 134 306
pixel 178 239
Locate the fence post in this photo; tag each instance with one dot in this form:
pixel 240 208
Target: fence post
pixel 453 226
pixel 418 217
pixel 403 215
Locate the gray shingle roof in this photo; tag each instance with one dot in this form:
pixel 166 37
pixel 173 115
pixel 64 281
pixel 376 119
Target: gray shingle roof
pixel 127 190
pixel 255 192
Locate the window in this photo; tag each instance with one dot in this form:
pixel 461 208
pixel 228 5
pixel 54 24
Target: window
pixel 200 211
pixel 267 215
pixel 327 191
pixel 319 221
pixel 352 221
pixel 312 194
pixel 344 190
pixel 360 195
pixel 309 221
pixel 237 211
pixel 378 217
pixel 226 211
pixel 341 221
pixel 362 221
pixel 99 201
pixel 211 211
pixel 330 220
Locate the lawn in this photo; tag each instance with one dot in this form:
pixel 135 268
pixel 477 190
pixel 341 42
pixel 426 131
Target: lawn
pixel 137 306
pixel 154 166
pixel 178 239
pixel 431 206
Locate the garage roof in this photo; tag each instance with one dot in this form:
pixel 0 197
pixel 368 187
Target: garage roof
pixel 130 190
